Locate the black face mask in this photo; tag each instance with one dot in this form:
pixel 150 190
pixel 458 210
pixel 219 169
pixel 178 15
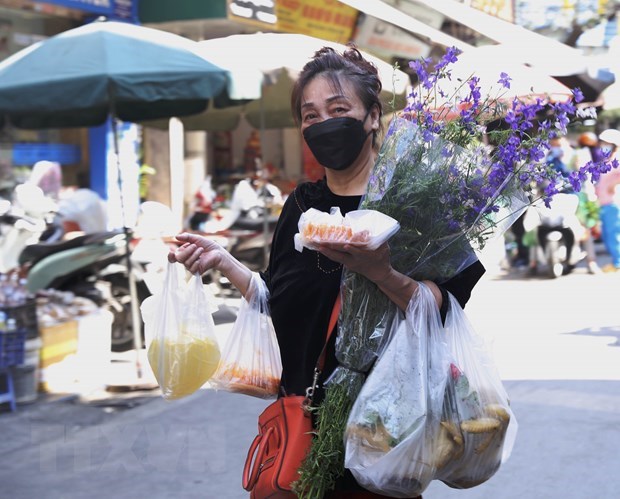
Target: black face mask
pixel 337 142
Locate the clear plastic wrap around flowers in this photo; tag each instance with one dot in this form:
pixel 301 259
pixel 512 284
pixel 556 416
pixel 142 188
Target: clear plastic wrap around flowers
pixel 448 199
pixel 433 407
pixel 448 202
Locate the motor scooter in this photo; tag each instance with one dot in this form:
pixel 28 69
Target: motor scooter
pixel 25 223
pixel 92 266
pixel 557 232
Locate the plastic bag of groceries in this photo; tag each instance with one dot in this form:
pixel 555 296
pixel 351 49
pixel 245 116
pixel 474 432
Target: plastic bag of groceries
pixel 369 228
pixel 433 407
pixel 182 348
pixel 477 420
pixel 250 362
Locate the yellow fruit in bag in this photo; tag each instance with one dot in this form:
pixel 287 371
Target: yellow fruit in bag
pixel 184 364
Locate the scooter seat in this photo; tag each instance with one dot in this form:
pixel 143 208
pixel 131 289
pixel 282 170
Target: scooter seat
pixel 255 224
pixel 36 252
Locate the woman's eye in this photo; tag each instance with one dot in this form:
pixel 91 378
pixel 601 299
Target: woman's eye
pixel 309 116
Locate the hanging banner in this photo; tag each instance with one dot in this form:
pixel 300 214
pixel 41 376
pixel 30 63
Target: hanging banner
pixel 539 14
pixel 326 19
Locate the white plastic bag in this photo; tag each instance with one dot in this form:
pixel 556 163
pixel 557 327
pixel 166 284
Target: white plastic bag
pixel 476 407
pixel 433 407
pixel 392 426
pixel 251 362
pixel 369 228
pixel 182 347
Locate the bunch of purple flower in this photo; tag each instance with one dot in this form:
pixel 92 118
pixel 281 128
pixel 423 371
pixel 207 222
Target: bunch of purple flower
pixel 519 142
pixel 459 165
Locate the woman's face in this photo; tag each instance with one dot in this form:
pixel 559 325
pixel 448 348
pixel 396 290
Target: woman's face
pixel 320 101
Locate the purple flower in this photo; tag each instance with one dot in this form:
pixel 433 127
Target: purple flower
pixel 450 57
pixel 504 80
pixel 577 94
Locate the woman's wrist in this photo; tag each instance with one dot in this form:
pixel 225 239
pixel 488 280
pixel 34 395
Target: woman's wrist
pixel 397 287
pixel 383 278
pixel 237 273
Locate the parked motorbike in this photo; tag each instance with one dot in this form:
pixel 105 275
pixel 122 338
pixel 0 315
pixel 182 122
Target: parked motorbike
pixel 93 266
pixel 557 233
pixel 25 223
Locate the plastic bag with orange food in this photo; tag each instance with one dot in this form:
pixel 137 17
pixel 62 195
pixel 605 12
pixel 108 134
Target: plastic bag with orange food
pixel 368 228
pixel 182 348
pixel 251 362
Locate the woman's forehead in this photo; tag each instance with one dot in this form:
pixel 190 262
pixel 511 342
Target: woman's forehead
pixel 322 88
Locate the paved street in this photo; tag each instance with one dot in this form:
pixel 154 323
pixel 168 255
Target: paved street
pixel 556 344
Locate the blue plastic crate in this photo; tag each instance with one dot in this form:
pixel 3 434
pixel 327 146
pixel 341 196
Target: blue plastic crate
pixel 12 347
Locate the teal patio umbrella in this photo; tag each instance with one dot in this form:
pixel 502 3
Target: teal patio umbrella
pixel 83 76
pixel 111 70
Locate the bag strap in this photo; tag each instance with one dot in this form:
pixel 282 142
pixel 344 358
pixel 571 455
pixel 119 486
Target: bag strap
pixel 320 363
pixel 251 472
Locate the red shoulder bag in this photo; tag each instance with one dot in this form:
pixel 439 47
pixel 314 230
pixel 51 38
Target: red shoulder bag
pixel 284 438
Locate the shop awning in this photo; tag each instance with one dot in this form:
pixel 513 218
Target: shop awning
pixel 525 46
pixel 513 43
pixel 521 44
pixel 392 15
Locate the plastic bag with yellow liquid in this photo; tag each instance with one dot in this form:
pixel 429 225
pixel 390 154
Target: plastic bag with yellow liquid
pixel 182 347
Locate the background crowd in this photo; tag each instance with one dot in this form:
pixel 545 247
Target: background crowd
pixel 587 217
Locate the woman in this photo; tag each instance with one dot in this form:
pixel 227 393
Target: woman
pixel 336 103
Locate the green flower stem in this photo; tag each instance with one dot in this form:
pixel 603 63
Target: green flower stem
pixel 324 463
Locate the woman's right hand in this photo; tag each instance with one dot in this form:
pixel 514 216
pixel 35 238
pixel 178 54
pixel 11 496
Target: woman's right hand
pixel 197 253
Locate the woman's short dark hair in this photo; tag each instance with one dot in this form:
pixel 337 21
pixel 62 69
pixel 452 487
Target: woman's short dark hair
pixel 350 65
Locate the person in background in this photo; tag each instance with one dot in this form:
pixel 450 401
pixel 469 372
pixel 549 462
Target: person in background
pixel 336 103
pixel 144 179
pixel 608 194
pixel 48 176
pixel 560 155
pixel 522 256
pixel 202 204
pixel 588 211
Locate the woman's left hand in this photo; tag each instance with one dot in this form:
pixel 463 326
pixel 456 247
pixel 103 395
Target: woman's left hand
pixel 373 264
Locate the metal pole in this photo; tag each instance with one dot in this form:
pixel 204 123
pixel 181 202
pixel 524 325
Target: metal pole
pixel 136 320
pixel 266 209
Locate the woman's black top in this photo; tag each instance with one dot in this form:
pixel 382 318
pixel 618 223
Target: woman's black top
pixel 304 285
